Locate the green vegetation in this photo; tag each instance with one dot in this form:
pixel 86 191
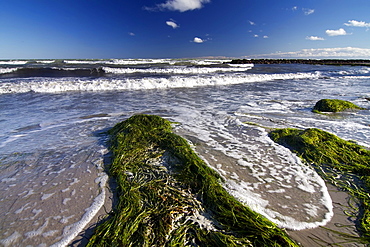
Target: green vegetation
pixel 168 196
pixel 334 105
pixel 344 163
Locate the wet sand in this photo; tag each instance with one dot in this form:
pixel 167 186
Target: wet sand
pixel 340 222
pixel 46 202
pixel 83 237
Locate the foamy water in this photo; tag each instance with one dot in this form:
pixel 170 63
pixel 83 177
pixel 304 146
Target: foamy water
pixel 53 143
pixel 51 85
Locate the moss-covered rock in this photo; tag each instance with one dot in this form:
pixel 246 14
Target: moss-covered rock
pixel 164 188
pixel 333 158
pixel 334 105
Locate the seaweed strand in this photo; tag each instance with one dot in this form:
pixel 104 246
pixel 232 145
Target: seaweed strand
pixel 341 162
pixel 168 196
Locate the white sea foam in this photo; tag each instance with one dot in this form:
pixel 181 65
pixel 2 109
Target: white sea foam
pixel 71 232
pixel 7 70
pixel 66 69
pixel 64 220
pixel 39 231
pixel 50 233
pixel 24 207
pixel 11 239
pixel 52 85
pixel 246 65
pixel 45 61
pixel 82 61
pixel 75 181
pixel 137 61
pixel 13 62
pixel 66 200
pixel 46 196
pixel 362 70
pixel 166 61
pixel 174 70
pixel 207 61
pixel 303 177
pixel 7 180
pixel 358 77
pixel 264 174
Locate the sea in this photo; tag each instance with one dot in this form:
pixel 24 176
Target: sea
pixel 54 153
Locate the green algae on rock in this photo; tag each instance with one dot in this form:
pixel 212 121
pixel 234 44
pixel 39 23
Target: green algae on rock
pixel 343 163
pixel 168 196
pixel 334 105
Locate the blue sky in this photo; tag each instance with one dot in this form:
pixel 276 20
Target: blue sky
pixel 184 28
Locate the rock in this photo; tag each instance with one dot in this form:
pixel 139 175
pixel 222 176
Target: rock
pixel 334 105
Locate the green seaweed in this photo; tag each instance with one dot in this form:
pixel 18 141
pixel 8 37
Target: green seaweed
pixel 163 186
pixel 334 105
pixel 344 163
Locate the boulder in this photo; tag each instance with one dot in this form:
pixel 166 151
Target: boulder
pixel 334 105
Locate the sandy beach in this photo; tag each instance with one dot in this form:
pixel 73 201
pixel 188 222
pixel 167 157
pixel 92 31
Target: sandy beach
pixel 53 206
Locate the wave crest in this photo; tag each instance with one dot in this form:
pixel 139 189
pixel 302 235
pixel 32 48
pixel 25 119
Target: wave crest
pixel 56 85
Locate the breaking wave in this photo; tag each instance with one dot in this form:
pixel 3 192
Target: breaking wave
pixel 175 70
pixel 55 85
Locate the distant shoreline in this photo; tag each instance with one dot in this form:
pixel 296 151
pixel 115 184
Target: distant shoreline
pixel 352 62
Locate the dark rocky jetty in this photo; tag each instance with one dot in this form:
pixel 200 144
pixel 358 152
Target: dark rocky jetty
pixel 338 62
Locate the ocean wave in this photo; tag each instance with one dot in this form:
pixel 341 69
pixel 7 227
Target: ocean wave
pixel 167 61
pixel 357 77
pixel 7 70
pixel 13 62
pixel 175 70
pixel 49 72
pixel 82 61
pixel 241 65
pixel 45 61
pixel 55 85
pixel 205 62
pixel 83 71
pixel 356 71
pixel 138 61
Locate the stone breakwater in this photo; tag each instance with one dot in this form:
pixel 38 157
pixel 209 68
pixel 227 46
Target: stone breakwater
pixel 302 61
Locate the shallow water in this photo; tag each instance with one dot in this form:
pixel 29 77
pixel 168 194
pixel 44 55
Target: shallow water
pixel 52 145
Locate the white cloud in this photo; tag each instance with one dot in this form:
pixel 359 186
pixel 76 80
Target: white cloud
pixel 354 23
pixel 338 32
pixel 308 11
pixel 182 5
pixel 255 36
pixel 252 23
pixel 344 52
pixel 315 38
pixel 131 34
pixel 198 40
pixel 265 37
pixel 172 24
